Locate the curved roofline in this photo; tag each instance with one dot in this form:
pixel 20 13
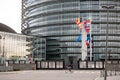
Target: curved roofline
pixel 6 28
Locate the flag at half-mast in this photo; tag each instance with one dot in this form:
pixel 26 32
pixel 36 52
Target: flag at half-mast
pixel 79 22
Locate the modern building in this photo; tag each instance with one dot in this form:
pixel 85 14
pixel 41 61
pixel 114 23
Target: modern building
pixel 55 21
pixel 6 28
pixel 37 47
pixel 18 47
pixel 13 47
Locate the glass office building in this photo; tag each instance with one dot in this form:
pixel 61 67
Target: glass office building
pixel 18 47
pixel 55 21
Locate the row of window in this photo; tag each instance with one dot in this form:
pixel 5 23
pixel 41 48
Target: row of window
pixel 86 4
pixel 74 32
pixel 95 50
pixel 102 50
pixel 70 18
pixel 78 44
pixel 64 4
pixel 104 37
pixel 54 7
pixel 95 27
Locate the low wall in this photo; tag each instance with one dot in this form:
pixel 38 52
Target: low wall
pixel 23 66
pixel 6 68
pixel 17 67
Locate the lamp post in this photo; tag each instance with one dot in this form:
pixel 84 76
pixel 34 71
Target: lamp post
pixel 0 46
pixel 3 50
pixel 106 7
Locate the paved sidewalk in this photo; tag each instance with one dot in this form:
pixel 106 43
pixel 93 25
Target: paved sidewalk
pixel 109 78
pixel 50 75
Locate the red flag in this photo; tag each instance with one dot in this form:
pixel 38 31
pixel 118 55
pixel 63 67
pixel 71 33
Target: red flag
pixel 87 43
pixel 87 26
pixel 87 30
pixel 88 21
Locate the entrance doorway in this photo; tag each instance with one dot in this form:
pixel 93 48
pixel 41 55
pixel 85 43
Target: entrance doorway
pixel 73 61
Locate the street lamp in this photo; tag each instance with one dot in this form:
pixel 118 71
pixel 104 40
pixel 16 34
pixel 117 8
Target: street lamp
pixel 0 46
pixel 3 50
pixel 106 7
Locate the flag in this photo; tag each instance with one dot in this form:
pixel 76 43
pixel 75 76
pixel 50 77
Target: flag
pixel 88 40
pixel 79 22
pixel 87 43
pixel 88 21
pixel 80 25
pixel 88 37
pixel 79 38
pixel 87 24
pixel 87 30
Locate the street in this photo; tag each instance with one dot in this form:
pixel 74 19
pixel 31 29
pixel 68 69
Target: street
pixel 50 75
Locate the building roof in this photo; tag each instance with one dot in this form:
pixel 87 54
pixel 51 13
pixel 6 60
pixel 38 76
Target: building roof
pixel 6 28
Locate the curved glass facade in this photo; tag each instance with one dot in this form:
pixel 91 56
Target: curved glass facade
pixel 55 20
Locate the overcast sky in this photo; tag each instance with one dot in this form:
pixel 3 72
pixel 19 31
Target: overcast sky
pixel 10 14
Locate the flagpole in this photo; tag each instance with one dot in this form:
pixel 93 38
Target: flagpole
pixel 84 37
pixel 84 47
pixel 90 42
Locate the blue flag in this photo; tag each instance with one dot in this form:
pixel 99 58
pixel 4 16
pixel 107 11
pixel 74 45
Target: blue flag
pixel 88 37
pixel 79 38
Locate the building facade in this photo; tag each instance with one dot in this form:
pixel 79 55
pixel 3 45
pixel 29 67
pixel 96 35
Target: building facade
pixel 13 47
pixel 18 47
pixel 37 47
pixel 55 21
